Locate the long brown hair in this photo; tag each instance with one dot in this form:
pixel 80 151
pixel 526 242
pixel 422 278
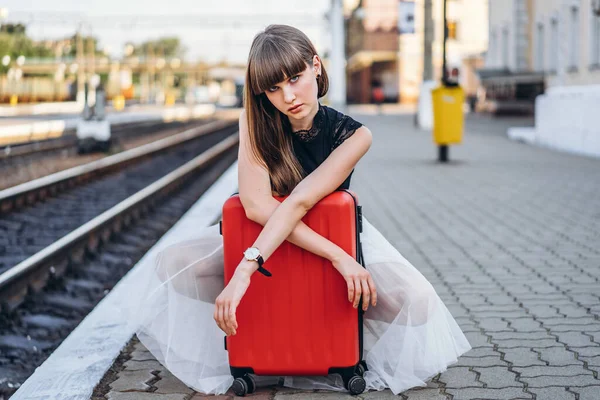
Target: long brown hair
pixel 280 52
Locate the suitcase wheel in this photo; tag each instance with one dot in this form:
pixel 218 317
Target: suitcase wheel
pixel 361 369
pixel 244 385
pixel 356 385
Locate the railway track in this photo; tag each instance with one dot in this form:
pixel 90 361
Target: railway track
pixel 59 257
pixel 22 163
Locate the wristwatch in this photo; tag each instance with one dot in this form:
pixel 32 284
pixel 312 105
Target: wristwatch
pixel 253 254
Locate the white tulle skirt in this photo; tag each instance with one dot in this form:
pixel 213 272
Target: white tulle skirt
pixel 409 337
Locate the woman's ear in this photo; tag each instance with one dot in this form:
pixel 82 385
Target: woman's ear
pixel 316 65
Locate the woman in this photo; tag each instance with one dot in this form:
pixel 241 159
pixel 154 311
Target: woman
pixel 291 145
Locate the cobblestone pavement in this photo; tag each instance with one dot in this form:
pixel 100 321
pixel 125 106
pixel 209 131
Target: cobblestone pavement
pixel 508 234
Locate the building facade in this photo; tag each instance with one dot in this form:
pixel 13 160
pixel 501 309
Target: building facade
pixel 559 39
pixel 372 51
pixel 566 41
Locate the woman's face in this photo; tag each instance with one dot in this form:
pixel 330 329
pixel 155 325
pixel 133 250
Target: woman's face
pixel 296 96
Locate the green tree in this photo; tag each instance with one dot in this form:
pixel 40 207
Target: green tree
pixel 14 43
pixel 166 46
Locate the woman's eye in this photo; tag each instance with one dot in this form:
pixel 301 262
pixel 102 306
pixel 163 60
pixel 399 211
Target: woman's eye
pixel 272 89
pixel 295 78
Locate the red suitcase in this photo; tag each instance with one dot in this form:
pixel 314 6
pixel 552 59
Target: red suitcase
pixel 298 321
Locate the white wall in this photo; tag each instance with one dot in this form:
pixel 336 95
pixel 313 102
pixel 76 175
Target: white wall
pixel 501 19
pixel 545 10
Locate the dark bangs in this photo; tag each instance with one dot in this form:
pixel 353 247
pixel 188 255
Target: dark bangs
pixel 272 63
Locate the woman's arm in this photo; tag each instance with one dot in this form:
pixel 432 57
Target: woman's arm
pixel 321 182
pixel 259 204
pixel 302 235
pixel 282 222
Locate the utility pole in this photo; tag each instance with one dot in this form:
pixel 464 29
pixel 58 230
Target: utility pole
pixel 444 66
pixel 91 70
pixel 428 41
pixel 80 67
pixel 337 76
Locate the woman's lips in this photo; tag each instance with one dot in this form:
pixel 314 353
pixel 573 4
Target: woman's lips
pixel 295 109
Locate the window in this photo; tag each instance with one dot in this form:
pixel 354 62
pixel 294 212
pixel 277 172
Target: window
pixel 505 47
pixel 574 40
pixel 493 47
pixel 595 41
pixel 539 41
pixel 554 45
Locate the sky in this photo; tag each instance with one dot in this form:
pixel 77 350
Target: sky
pixel 211 30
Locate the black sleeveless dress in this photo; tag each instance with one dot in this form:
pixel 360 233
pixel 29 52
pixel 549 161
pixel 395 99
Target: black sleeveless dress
pixel 329 130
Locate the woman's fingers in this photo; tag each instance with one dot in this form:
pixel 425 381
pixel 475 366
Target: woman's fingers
pixel 350 284
pixel 372 289
pixel 220 317
pixel 357 292
pixel 366 298
pixel 230 319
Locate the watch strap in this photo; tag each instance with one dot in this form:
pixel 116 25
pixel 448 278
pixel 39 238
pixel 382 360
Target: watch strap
pixel 262 270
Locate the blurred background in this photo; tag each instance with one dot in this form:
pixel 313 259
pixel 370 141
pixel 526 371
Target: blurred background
pixel 503 52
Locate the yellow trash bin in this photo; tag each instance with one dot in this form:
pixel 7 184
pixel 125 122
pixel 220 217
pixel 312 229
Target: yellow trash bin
pixel 448 119
pixel 170 99
pixel 119 102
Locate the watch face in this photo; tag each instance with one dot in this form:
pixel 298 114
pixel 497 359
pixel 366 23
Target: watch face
pixel 251 253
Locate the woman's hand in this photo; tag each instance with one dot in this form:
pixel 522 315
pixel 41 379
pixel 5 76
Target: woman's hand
pixel 229 299
pixel 359 281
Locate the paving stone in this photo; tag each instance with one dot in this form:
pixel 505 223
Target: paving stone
pixel 543 311
pixel 516 343
pixel 148 365
pixel 552 393
pixel 488 361
pixel 386 395
pixel 558 356
pixel 549 322
pixel 588 393
pixel 132 380
pixel 522 357
pixel 314 396
pixel 590 351
pixel 145 396
pixel 525 325
pixel 573 311
pixel 422 394
pixel 585 328
pixel 481 352
pixel 500 299
pixel 497 377
pixel 570 381
pixel 139 355
pixel 571 370
pixel 495 308
pixel 595 361
pixel 457 377
pixel 480 393
pixel 520 336
pixel 200 396
pixel 478 339
pixel 575 339
pixel 491 313
pixel 170 384
pixel 494 325
pixel 586 299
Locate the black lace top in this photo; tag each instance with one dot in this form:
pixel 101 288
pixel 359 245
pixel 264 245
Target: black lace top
pixel 330 128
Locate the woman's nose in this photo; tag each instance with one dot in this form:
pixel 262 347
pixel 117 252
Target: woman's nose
pixel 288 94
